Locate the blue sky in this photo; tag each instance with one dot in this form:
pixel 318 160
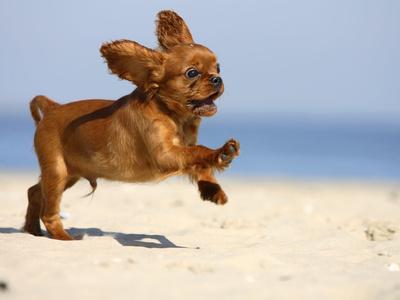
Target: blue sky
pixel 325 59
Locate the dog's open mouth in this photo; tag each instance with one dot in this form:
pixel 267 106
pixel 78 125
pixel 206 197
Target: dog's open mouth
pixel 204 107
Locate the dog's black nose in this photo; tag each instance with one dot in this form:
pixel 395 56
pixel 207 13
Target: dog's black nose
pixel 216 81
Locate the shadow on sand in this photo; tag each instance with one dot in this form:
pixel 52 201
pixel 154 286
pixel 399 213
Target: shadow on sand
pixel 125 239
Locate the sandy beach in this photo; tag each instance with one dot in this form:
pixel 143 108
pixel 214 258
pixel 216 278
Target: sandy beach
pixel 275 239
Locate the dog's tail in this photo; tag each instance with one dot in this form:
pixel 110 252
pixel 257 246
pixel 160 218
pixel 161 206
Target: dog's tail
pixel 39 106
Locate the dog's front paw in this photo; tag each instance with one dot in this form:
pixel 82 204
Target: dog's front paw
pixel 227 153
pixel 211 191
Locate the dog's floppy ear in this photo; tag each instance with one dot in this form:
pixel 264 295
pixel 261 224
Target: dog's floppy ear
pixel 172 30
pixel 134 62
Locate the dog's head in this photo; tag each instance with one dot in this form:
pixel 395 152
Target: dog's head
pixel 181 72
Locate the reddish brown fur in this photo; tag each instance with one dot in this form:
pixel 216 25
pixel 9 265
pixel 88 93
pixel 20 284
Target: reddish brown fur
pixel 172 30
pixel 148 135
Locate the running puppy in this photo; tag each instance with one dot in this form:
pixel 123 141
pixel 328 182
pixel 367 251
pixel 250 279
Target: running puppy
pixel 148 135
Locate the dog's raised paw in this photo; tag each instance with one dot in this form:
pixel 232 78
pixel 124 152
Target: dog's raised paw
pixel 228 152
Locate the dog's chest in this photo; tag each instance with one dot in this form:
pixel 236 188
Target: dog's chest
pixel 188 132
pixel 132 157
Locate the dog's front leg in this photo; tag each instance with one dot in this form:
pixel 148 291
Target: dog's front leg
pixel 200 162
pixel 209 188
pixel 207 184
pixel 188 158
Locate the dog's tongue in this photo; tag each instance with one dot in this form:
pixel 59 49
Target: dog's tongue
pixel 205 108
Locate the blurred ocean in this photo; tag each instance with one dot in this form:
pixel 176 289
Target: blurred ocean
pixel 273 148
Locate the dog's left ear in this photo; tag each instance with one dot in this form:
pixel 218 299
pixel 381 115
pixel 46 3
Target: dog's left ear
pixel 134 62
pixel 172 30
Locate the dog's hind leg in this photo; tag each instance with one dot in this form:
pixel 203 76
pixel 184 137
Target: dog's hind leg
pixel 35 199
pixel 54 181
pixel 32 218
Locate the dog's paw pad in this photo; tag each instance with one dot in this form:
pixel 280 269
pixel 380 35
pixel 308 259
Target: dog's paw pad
pixel 231 149
pixel 228 152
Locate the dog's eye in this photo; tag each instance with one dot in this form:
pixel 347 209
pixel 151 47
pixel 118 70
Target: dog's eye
pixel 218 68
pixel 192 73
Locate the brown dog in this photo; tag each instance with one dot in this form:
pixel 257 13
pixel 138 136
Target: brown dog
pixel 148 135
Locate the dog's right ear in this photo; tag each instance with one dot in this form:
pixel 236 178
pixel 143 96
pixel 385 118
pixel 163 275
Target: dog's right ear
pixel 134 62
pixel 172 30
